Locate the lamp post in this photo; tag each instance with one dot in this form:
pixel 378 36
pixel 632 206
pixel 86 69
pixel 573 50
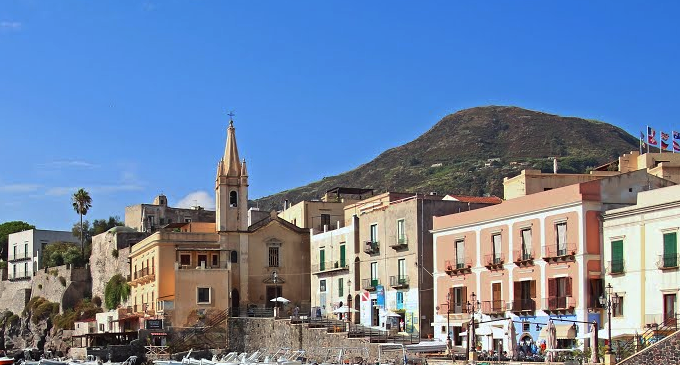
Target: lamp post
pixel 275 279
pixel 472 307
pixel 609 302
pixel 448 320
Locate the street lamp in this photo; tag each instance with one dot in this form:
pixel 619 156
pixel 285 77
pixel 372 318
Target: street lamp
pixel 472 306
pixel 609 302
pixel 275 279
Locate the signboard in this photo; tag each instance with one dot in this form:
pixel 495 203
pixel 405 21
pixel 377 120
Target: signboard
pixel 365 308
pixel 380 295
pixel 154 324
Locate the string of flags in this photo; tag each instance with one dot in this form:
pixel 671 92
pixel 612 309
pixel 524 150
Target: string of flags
pixel 664 143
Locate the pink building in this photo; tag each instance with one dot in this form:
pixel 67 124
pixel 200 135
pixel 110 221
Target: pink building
pixel 530 259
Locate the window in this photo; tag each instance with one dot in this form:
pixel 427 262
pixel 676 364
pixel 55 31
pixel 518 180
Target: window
pixel 559 292
pixel 203 295
pixel 401 231
pixel 374 233
pixel 234 257
pixel 524 295
pixel 101 327
pixel 401 269
pixel 561 229
pixel 618 310
pixel 343 261
pixel 322 285
pixel 14 251
pixel 273 257
pixel 325 221
pixel 460 254
pixel 374 274
pixel 162 221
pixel 496 248
pixel 617 257
pixel 526 326
pixel 202 260
pixel 670 250
pixel 215 260
pixel 25 268
pixel 322 259
pixel 26 249
pixel 184 260
pixel 458 299
pixel 341 291
pixel 233 199
pixel 169 220
pixel 526 244
pixel 187 220
pixel 152 220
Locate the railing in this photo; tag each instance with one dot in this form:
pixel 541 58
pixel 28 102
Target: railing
pixel 522 256
pixel 494 260
pixel 400 242
pixel 655 333
pixel 208 265
pixel 558 303
pixel 554 250
pixel 458 308
pixel 329 266
pixel 668 261
pixel 493 306
pixel 522 305
pixel 20 255
pixel 252 312
pixel 371 247
pixel 141 273
pixel 143 308
pixel 616 267
pixel 399 281
pixel 369 284
pixel 458 266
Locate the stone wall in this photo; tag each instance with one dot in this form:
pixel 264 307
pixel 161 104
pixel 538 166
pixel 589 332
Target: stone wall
pixel 251 334
pixel 74 286
pixel 666 351
pixel 103 264
pixel 14 295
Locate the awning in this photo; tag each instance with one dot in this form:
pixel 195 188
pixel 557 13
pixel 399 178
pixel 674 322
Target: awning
pixel 495 332
pixel 563 331
pixel 617 333
pixel 158 334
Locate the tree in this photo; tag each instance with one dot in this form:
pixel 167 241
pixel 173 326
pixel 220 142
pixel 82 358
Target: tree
pixel 81 204
pixel 116 291
pixel 8 228
pixel 59 253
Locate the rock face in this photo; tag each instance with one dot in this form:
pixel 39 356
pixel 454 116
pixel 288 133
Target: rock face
pixel 103 263
pixel 62 284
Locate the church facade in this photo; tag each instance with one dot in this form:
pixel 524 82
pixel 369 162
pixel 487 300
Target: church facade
pixel 187 270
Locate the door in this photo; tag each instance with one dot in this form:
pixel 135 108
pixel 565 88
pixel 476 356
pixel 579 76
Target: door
pixel 322 259
pixel 669 309
pixel 375 313
pixel 342 256
pixel 374 274
pixel 402 272
pixel 202 261
pixel 496 303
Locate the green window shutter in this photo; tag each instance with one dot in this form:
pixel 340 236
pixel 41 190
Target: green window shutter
pixel 322 260
pixel 342 255
pixel 617 256
pixel 340 288
pixel 670 249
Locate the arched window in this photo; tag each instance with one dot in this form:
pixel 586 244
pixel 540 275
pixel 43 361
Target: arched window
pixel 234 257
pixel 233 199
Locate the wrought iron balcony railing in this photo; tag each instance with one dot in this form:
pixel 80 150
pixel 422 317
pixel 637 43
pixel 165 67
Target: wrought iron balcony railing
pixel 401 281
pixel 555 252
pixel 616 267
pixel 494 261
pixel 558 303
pixel 668 261
pixel 458 266
pixel 523 257
pixel 371 247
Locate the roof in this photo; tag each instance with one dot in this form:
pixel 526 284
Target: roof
pixel 265 221
pixel 475 199
pixel 353 191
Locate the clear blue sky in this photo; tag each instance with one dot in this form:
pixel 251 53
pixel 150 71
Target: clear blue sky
pixel 128 98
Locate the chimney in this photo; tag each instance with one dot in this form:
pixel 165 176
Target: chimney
pixel 285 204
pixel 555 165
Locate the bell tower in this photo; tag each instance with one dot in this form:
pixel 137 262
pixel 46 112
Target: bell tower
pixel 231 188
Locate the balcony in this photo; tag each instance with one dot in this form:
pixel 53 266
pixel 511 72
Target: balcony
pixel 494 261
pixel 558 304
pixel 399 281
pixel 400 243
pixel 615 267
pixel 493 307
pixel 552 253
pixel 371 247
pixel 667 261
pixel 145 308
pixel 523 257
pixel 205 266
pixel 329 266
pixel 458 267
pixel 369 284
pixel 19 256
pixel 143 276
pixel 522 306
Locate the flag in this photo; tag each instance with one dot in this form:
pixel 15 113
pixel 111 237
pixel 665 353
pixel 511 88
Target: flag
pixel 664 136
pixel 664 145
pixel 676 141
pixel 651 136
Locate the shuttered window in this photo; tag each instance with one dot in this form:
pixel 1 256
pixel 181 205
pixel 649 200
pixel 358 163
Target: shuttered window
pixel 617 257
pixel 670 250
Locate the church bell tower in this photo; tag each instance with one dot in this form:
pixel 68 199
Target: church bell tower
pixel 231 188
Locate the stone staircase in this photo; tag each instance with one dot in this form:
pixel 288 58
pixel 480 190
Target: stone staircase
pixel 660 342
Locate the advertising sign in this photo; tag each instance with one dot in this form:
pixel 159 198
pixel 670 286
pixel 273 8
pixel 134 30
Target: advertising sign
pixel 154 324
pixel 365 308
pixel 380 295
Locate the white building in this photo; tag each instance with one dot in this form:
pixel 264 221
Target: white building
pixel 641 260
pixel 25 248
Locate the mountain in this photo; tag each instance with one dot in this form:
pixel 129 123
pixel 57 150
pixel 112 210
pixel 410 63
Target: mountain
pixel 452 156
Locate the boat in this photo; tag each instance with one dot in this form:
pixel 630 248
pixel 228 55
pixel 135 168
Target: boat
pixel 6 360
pixel 184 361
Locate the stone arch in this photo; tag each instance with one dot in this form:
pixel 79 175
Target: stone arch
pixel 357 307
pixel 233 199
pixel 233 257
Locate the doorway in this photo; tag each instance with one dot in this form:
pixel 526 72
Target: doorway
pixel 375 313
pixel 669 309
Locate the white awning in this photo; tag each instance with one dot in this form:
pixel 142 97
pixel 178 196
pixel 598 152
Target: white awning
pixel 494 332
pixel 563 332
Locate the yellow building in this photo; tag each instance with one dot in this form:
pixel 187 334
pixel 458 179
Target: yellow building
pixel 188 269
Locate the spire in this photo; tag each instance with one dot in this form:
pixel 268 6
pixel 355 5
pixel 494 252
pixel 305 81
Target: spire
pixel 244 170
pixel 231 165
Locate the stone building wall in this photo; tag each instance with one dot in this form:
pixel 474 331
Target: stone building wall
pixel 251 334
pixel 103 264
pixel 666 351
pixel 14 295
pixel 74 286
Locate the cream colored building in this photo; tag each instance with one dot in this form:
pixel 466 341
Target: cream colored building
pixel 189 270
pixel 151 217
pixel 641 260
pixel 663 165
pixel 324 214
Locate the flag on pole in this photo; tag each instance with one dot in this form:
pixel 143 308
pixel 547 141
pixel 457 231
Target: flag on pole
pixel 642 141
pixel 664 140
pixel 676 141
pixel 651 136
pixel 664 146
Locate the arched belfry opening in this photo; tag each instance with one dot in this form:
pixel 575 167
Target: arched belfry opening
pixel 233 199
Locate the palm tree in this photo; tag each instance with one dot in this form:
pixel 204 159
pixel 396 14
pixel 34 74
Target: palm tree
pixel 81 204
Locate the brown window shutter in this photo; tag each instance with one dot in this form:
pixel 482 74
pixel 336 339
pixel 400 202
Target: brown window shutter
pixel 463 300
pixel 552 288
pixel 568 289
pixel 517 288
pixel 533 289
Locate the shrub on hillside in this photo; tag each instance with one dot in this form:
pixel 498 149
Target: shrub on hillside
pixel 116 291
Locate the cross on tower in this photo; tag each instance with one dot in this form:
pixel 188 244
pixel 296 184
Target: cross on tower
pixel 231 116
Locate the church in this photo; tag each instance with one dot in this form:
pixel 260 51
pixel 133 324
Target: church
pixel 186 271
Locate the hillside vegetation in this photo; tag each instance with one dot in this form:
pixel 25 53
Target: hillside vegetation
pixel 451 156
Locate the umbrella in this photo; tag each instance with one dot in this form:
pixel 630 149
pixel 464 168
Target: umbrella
pixel 280 300
pixel 512 341
pixel 345 309
pixel 551 342
pixel 594 358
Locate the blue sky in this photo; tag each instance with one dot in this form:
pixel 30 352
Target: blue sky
pixel 129 98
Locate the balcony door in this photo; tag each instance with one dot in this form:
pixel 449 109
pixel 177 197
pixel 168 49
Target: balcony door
pixel 496 303
pixel 460 254
pixel 561 229
pixel 374 274
pixel 526 244
pixel 496 249
pixel 669 310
